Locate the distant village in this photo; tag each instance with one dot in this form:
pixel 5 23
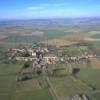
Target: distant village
pixel 41 57
pixel 42 54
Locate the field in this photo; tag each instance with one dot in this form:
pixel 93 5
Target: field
pixel 95 96
pixel 24 32
pixel 91 75
pixel 30 90
pixel 21 39
pixel 66 86
pixel 10 89
pixel 85 81
pixel 54 34
pixel 8 80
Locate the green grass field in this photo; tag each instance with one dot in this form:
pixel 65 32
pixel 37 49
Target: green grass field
pixel 30 90
pixel 52 34
pixel 21 39
pixel 66 86
pixel 95 96
pixel 8 74
pixel 87 76
pixel 90 76
pixel 10 89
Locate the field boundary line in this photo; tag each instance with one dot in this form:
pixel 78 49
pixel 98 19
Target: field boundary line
pixel 52 90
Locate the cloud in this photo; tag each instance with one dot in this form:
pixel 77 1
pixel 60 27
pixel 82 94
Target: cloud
pixel 39 7
pixel 46 6
pixel 35 8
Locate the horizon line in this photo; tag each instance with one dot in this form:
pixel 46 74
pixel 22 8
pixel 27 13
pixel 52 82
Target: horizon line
pixel 12 19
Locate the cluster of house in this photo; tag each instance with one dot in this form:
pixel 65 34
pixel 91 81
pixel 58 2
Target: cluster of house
pixel 38 53
pixel 77 97
pixel 31 51
pixel 25 58
pixel 55 59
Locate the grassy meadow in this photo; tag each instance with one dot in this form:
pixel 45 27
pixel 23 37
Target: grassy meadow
pixel 10 89
pixel 8 73
pixel 30 90
pixel 67 86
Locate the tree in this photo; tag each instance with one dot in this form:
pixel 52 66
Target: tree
pixel 75 71
pixel 26 65
pixel 26 54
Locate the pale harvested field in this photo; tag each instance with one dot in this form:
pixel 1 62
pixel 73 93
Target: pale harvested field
pixel 58 42
pixel 84 36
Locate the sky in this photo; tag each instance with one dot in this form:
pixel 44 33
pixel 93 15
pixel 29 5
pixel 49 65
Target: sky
pixel 26 9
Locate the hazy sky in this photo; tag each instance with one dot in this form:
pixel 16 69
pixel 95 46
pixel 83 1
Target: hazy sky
pixel 16 9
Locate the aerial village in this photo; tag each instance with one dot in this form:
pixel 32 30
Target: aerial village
pixel 42 58
pixel 42 54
